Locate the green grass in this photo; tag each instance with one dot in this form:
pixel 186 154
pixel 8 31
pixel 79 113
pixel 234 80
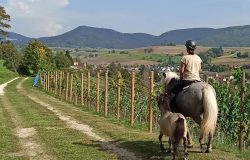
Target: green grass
pixel 141 142
pixel 9 143
pixel 5 74
pixel 133 56
pixel 60 141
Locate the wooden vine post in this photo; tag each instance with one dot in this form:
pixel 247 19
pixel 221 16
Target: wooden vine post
pixel 56 83
pixel 71 89
pixel 67 87
pixel 53 84
pixel 98 93
pixel 242 109
pixel 44 81
pixel 52 81
pixel 48 81
pixel 132 107
pixel 119 81
pixel 76 98
pixel 150 107
pixel 106 96
pixel 82 87
pixel 89 90
pixel 60 84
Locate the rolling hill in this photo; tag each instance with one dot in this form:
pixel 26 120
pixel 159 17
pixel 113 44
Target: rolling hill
pixel 100 38
pixel 84 36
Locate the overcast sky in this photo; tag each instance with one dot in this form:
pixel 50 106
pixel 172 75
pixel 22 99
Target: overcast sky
pixel 36 18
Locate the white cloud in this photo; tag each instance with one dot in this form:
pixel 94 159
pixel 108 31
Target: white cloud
pixel 45 13
pixel 51 28
pixel 19 7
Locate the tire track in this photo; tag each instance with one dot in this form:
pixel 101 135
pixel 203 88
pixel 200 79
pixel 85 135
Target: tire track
pixel 86 129
pixel 27 136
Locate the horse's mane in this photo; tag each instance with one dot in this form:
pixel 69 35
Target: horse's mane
pixel 164 99
pixel 168 76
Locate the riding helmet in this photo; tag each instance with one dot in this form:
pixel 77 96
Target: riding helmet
pixel 190 44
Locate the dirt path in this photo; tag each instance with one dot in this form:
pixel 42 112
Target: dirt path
pixel 27 136
pixel 2 86
pixel 86 129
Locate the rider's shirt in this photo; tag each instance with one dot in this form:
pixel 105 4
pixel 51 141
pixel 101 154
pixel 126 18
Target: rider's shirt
pixel 193 66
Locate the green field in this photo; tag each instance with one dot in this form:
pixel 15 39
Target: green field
pixel 5 74
pixel 159 54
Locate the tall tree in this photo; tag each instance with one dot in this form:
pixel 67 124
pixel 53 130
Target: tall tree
pixel 3 18
pixel 10 55
pixel 69 57
pixel 62 61
pixel 38 57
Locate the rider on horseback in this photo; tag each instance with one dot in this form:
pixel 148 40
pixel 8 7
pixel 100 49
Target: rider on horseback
pixel 189 70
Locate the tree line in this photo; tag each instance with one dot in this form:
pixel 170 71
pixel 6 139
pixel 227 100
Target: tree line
pixel 35 57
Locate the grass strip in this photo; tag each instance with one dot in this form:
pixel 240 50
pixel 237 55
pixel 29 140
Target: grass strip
pixel 61 142
pixel 9 142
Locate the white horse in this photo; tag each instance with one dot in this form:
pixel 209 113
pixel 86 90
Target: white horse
pixel 172 125
pixel 198 101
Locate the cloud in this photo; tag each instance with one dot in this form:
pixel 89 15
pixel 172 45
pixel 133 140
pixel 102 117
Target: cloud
pixel 43 14
pixel 18 6
pixel 51 28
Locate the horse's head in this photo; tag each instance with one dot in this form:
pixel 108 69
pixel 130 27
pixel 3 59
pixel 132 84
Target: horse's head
pixel 163 101
pixel 167 78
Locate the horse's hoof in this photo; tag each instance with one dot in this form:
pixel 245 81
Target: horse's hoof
pixel 209 150
pixel 162 148
pixel 190 146
pixel 168 151
pixel 203 148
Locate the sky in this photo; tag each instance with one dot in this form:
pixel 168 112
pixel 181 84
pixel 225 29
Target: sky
pixel 40 18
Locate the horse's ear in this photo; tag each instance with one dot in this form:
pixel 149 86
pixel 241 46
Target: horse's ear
pixel 164 74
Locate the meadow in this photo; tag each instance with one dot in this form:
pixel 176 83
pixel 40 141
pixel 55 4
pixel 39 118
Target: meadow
pixel 157 55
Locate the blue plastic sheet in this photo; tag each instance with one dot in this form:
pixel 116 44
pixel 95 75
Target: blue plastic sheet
pixel 36 80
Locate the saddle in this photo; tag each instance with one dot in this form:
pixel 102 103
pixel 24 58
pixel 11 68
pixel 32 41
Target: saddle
pixel 180 86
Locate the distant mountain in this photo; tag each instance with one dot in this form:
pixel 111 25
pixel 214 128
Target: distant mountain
pixel 180 36
pixel 18 38
pixel 100 38
pixel 85 36
pixel 238 36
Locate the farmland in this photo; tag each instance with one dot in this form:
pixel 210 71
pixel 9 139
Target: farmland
pixel 57 140
pixel 157 55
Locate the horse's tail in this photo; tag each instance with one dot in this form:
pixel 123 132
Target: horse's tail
pixel 209 121
pixel 179 130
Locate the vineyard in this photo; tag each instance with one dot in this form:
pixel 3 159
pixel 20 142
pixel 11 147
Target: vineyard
pixel 131 98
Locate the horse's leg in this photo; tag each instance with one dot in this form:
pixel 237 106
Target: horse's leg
pixel 203 146
pixel 169 145
pixel 160 139
pixel 209 144
pixel 185 146
pixel 201 141
pixel 189 139
pixel 175 149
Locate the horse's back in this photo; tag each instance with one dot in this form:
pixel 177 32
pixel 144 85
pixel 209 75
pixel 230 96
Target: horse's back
pixel 189 101
pixel 168 123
